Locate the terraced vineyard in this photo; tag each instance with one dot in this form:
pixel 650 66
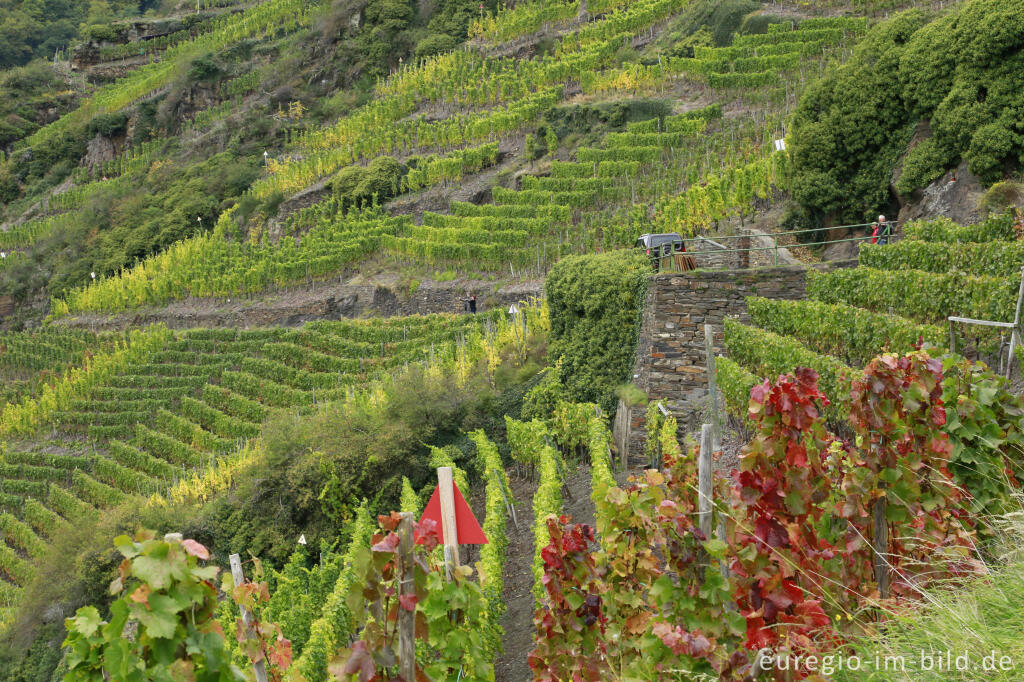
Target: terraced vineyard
pixel 149 417
pixel 898 298
pixel 285 154
pixel 29 360
pixel 670 162
pixel 259 20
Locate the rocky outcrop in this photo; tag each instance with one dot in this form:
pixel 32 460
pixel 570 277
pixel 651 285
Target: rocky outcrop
pixel 956 195
pixel 100 150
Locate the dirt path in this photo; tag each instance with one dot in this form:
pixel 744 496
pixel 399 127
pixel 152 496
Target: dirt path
pixel 517 622
pixel 331 300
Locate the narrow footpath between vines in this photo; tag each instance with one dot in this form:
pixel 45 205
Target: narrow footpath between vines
pixel 517 622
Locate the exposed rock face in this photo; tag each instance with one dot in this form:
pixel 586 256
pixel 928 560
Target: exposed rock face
pixel 84 54
pixel 955 195
pixel 100 150
pixel 842 250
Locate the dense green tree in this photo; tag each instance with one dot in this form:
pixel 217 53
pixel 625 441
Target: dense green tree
pixel 387 35
pixel 850 127
pixel 962 73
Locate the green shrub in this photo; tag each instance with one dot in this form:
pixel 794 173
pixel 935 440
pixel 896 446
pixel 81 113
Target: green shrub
pixel 925 163
pixel 595 304
pixel 347 179
pixel 992 146
pixel 1003 195
pixel 100 33
pixel 759 23
pixel 204 70
pixel 435 44
pixel 963 72
pixel 108 125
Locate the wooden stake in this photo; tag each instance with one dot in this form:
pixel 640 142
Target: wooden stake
pixel 716 423
pixel 704 481
pixel 722 536
pixel 881 546
pixel 446 493
pixel 406 618
pixel 236 572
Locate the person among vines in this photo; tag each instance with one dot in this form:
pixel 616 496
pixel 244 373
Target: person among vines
pixel 883 231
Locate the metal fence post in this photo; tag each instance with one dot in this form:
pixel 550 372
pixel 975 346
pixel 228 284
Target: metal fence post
pixel 1016 325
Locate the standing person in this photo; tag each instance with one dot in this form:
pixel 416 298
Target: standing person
pixel 884 230
pixel 472 303
pixel 465 303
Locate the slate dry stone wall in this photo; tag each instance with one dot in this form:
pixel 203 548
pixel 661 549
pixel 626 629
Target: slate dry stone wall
pixel 670 362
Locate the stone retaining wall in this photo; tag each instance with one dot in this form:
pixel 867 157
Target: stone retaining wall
pixel 670 362
pixel 319 301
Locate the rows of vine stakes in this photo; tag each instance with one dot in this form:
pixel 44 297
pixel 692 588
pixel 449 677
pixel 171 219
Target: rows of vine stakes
pixel 711 196
pixel 161 407
pixel 199 395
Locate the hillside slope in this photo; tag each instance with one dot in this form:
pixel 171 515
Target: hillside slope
pixel 265 170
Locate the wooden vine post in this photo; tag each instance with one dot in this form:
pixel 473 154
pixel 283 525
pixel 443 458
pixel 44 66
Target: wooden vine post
pixel 704 502
pixel 259 667
pixel 449 509
pixel 407 587
pixel 716 422
pixel 446 494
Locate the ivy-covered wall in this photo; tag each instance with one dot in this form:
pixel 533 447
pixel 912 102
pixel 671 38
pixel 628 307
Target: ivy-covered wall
pixel 595 303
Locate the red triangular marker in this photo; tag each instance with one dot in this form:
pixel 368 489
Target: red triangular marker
pixel 470 532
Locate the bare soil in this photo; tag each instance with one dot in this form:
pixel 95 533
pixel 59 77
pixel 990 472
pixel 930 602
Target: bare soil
pixel 517 622
pixel 357 296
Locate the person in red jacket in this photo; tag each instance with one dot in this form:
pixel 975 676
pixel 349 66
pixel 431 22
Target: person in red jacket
pixel 882 232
